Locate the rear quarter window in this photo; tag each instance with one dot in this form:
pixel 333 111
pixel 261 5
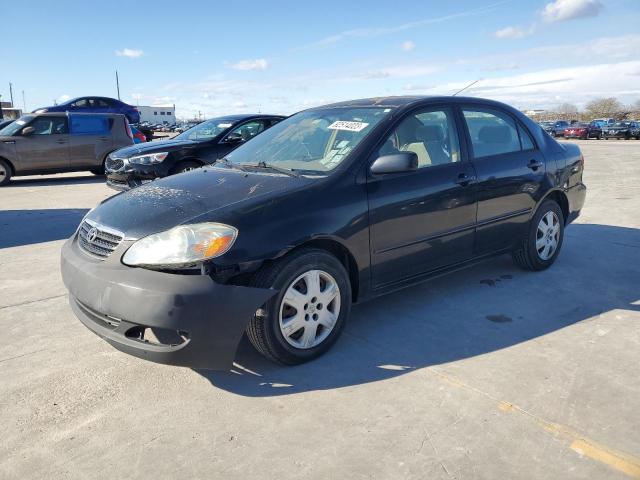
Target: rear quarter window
pixel 89 125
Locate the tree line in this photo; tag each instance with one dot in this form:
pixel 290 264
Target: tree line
pixel 599 108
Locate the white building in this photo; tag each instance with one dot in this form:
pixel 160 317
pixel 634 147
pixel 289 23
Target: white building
pixel 157 113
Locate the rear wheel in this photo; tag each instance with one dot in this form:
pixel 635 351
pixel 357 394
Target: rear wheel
pixel 309 312
pixel 5 173
pixel 541 245
pixel 185 167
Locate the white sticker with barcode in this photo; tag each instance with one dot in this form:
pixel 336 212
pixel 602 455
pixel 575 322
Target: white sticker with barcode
pixel 348 126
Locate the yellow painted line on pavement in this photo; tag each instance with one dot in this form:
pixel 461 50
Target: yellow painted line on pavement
pixel 623 462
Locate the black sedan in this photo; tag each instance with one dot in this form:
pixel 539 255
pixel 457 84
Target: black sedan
pixel 333 205
pixel 624 130
pixel 201 145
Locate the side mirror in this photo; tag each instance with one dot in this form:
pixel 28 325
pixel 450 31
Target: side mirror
pixel 396 163
pixel 233 138
pixel 26 131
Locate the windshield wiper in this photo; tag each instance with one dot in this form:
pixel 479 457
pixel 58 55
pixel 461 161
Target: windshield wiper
pixel 269 166
pixel 225 161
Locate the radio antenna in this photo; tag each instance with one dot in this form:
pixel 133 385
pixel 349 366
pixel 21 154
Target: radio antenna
pixel 470 85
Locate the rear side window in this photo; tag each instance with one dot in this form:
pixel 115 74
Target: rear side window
pixel 525 138
pixel 492 132
pixel 89 125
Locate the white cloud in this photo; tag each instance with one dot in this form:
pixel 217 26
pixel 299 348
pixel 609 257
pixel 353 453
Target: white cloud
pixel 408 46
pixel 63 98
pixel 255 64
pixel 509 32
pixel 129 52
pixel 546 88
pixel 378 31
pixel 561 10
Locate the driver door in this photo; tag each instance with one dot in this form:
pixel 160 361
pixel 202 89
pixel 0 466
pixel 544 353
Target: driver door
pixel 424 219
pixel 47 148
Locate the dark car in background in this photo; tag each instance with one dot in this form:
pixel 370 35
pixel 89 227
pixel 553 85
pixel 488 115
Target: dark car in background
pixel 620 130
pixel 583 131
pixel 95 105
pixel 555 128
pixel 58 142
pixel 200 145
pixel 333 205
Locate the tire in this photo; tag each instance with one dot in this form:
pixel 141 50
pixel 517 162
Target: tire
pixel 266 331
pixel 182 167
pixel 5 173
pixel 528 255
pixel 97 171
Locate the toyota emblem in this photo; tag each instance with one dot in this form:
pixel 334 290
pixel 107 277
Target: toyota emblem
pixel 92 234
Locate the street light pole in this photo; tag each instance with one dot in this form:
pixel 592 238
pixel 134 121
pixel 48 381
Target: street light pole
pixel 118 84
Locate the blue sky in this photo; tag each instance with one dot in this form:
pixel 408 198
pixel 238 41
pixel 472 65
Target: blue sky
pixel 282 56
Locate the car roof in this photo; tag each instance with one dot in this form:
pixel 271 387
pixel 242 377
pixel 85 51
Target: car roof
pixel 246 116
pixel 79 114
pixel 409 100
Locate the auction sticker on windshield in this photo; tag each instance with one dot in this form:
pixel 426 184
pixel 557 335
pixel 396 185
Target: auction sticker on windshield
pixel 348 126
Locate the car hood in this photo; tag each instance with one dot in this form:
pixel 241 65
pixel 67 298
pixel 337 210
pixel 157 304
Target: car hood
pixel 153 147
pixel 195 195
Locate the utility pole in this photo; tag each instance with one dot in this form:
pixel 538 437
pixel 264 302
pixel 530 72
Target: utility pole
pixel 1 116
pixel 118 84
pixel 24 103
pixel 11 94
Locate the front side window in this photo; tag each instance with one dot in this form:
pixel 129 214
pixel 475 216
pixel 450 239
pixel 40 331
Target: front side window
pixel 82 103
pixel 89 125
pixel 247 131
pixel 311 142
pixel 49 126
pixel 492 132
pixel 430 134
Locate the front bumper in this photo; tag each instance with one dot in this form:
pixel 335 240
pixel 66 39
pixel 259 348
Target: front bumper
pixel 185 320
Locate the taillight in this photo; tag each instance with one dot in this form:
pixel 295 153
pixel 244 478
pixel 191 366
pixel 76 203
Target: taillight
pixel 128 129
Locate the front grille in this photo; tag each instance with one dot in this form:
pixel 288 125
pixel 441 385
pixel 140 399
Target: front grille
pixel 97 240
pixel 114 164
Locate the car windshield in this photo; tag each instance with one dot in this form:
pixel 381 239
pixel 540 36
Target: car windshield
pixel 13 127
pixel 620 124
pixel 207 130
pixel 311 142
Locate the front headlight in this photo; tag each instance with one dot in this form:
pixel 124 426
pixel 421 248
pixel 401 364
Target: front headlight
pixel 149 159
pixel 181 246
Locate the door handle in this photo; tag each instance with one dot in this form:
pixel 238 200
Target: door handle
pixel 61 142
pixel 465 180
pixel 534 165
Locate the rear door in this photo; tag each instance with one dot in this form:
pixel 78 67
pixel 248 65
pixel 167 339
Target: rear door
pixel 90 140
pixel 510 169
pixel 47 148
pixel 424 219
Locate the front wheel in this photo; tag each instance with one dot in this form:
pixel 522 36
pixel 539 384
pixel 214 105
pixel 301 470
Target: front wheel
pixel 5 173
pixel 541 245
pixel 185 167
pixel 308 314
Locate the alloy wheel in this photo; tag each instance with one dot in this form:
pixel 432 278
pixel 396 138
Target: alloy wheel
pixel 547 235
pixel 309 309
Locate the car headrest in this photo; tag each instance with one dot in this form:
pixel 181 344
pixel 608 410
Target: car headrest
pixel 495 134
pixel 430 133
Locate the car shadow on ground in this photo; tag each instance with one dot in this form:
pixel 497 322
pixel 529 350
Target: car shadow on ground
pixel 480 310
pixel 54 181
pixel 26 227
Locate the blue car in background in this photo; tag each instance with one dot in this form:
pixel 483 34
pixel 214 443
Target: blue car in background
pixel 95 105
